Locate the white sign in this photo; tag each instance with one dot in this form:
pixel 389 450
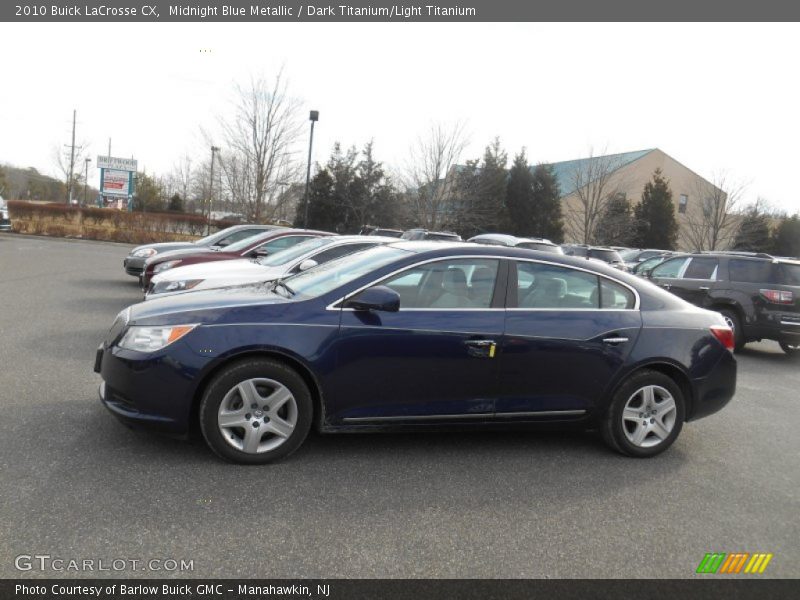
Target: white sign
pixel 116 183
pixel 112 162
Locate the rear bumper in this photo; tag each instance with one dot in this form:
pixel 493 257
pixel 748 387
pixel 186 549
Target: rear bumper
pixel 775 325
pixel 713 392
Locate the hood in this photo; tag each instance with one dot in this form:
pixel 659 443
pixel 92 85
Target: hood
pixel 229 270
pixel 203 305
pixel 185 252
pixel 166 246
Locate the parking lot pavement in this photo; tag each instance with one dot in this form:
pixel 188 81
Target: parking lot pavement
pixel 76 484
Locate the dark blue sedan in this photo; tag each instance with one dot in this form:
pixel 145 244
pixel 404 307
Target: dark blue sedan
pixel 424 335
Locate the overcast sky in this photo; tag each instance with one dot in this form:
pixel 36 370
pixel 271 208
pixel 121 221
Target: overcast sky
pixel 714 96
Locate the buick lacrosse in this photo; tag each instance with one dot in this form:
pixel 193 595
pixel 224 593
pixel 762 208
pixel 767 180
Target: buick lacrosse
pixel 424 335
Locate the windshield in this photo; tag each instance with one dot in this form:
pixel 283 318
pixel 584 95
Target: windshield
pixel 244 243
pixel 629 255
pixel 606 255
pixel 210 239
pixel 328 276
pixel 284 256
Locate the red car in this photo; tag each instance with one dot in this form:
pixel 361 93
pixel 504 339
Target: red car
pixel 262 244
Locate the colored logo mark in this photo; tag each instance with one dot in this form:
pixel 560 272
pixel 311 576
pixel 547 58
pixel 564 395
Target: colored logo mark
pixel 734 563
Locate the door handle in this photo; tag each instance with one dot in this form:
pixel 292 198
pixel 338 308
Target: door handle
pixel 666 286
pixel 615 340
pixel 481 348
pixel 705 288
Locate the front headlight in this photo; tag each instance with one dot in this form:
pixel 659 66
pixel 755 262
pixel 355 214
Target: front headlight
pixel 161 287
pixel 150 339
pixel 144 252
pixel 165 265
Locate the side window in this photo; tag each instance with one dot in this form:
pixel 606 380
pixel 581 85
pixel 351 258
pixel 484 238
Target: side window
pixel 237 236
pixel 701 268
pixel 284 242
pixel 614 295
pixel 338 251
pixel 670 268
pixel 548 286
pixel 457 283
pixel 750 271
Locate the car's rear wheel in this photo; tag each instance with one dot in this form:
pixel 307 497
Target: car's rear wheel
pixel 645 416
pixel 733 321
pixel 791 348
pixel 256 411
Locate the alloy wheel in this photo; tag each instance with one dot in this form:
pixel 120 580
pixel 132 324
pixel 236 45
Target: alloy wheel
pixel 649 416
pixel 257 415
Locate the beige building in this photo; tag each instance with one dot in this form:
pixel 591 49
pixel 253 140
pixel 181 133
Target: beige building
pixel 587 183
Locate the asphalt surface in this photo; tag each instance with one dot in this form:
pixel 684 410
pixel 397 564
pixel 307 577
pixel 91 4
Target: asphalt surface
pixel 76 484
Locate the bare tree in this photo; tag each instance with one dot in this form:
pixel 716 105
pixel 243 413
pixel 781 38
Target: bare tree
pixel 180 178
pixel 713 223
pixel 258 143
pixel 70 166
pixel 428 175
pixel 592 181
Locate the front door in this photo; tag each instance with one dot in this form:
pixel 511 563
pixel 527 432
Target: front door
pixel 432 361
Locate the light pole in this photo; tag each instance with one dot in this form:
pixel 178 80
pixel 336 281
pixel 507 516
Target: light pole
pixel 313 117
pixel 214 150
pixel 86 180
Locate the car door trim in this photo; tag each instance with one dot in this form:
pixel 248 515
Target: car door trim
pixel 453 417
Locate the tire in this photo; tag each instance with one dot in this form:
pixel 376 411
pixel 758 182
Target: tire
pixel 732 319
pixel 792 349
pixel 275 428
pixel 659 426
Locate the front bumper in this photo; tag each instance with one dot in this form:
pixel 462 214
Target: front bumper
pixel 133 266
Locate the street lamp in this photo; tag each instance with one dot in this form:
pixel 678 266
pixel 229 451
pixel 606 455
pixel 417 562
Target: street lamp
pixel 313 117
pixel 86 180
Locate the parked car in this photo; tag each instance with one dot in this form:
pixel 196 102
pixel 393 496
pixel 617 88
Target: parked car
pixel 424 234
pixel 134 262
pixel 5 220
pixel 303 256
pixel 381 338
pixel 370 230
pixel 502 239
pixel 255 246
pixel 757 294
pixel 607 255
pixel 633 256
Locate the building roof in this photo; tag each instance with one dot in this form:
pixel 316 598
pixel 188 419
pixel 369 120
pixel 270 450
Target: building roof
pixel 565 171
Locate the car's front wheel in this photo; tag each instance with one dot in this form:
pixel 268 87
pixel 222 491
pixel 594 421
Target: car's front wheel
pixel 791 348
pixel 256 411
pixel 645 416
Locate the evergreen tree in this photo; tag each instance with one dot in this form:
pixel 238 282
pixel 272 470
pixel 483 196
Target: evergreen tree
pixel 753 234
pixel 656 226
pixel 148 194
pixel 786 237
pixel 175 203
pixel 615 226
pixel 481 195
pixel 519 196
pixel 546 218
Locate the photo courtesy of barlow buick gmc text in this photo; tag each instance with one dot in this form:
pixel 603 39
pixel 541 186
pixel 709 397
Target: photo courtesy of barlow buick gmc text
pixel 461 301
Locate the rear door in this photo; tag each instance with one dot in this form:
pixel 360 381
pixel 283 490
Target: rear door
pixel 567 334
pixel 669 272
pixel 698 280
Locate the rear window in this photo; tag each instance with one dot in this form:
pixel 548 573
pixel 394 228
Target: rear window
pixel 606 255
pixel 542 247
pixel 752 271
pixel 790 274
pixel 701 268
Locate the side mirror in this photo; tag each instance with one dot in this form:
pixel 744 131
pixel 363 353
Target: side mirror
pixel 307 264
pixel 380 298
pixel 222 243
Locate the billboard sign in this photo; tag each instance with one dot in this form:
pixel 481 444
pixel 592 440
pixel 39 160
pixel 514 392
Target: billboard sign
pixel 119 164
pixel 115 182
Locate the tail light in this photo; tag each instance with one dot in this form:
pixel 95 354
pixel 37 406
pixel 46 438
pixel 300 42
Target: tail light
pixel 778 296
pixel 725 335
